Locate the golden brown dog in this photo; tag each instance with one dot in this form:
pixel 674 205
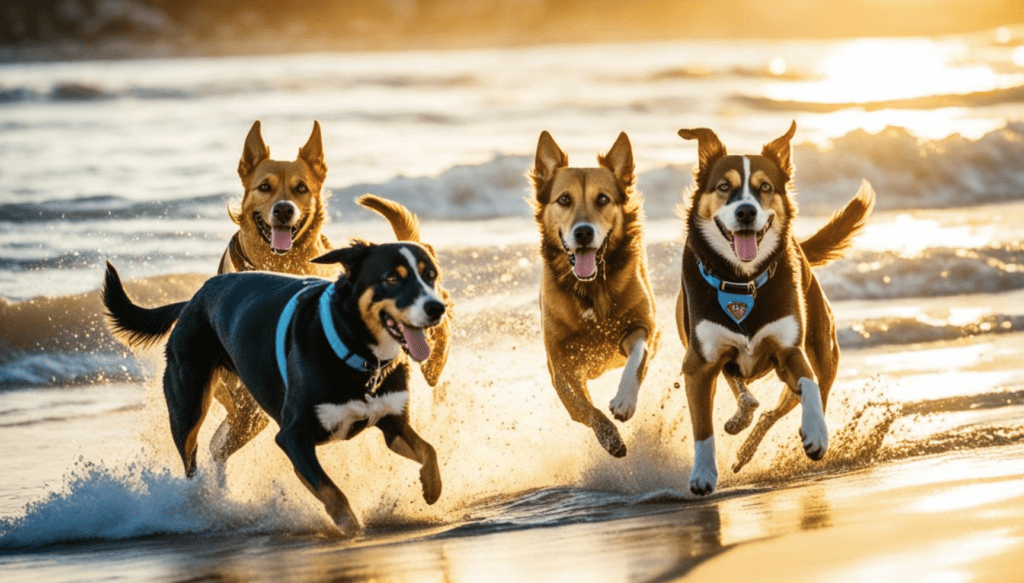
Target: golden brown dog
pixel 749 302
pixel 282 211
pixel 597 309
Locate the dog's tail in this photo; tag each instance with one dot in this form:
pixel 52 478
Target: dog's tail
pixel 135 325
pixel 403 221
pixel 833 240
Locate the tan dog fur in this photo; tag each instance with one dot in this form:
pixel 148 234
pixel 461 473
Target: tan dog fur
pixel 593 326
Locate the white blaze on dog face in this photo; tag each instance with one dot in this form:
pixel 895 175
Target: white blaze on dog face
pixel 740 213
pixel 401 299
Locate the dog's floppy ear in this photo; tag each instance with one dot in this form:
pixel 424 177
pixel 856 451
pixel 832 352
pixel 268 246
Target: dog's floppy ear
pixel 619 160
pixel 549 158
pixel 709 150
pixel 253 152
pixel 351 257
pixel 313 153
pixel 779 151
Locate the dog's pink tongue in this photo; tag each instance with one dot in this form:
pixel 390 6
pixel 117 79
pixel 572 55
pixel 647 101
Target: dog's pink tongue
pixel 416 340
pixel 585 264
pixel 746 245
pixel 281 239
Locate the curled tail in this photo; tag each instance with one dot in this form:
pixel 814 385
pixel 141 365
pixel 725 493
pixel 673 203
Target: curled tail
pixel 833 240
pixel 405 223
pixel 135 325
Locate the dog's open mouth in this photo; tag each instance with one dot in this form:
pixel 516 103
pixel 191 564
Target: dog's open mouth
pixel 584 264
pixel 279 239
pixel 413 340
pixel 744 243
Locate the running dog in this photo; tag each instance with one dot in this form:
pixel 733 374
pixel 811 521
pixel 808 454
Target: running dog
pixel 597 309
pixel 749 302
pixel 325 360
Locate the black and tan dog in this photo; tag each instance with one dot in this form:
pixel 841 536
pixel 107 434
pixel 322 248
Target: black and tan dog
pixel 325 360
pixel 749 302
pixel 597 309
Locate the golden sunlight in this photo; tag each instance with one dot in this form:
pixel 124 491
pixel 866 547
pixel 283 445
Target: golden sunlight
pixel 874 70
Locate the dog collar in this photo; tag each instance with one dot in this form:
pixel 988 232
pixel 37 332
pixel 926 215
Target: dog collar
pixel 237 254
pixel 349 357
pixel 736 299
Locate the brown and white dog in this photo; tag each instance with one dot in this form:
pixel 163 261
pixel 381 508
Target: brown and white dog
pixel 749 302
pixel 597 309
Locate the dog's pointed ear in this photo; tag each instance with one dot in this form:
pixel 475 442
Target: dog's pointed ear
pixel 619 160
pixel 351 257
pixel 253 152
pixel 549 158
pixel 709 150
pixel 709 147
pixel 779 150
pixel 313 153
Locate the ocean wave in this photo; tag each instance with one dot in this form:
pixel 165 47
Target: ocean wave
pixel 63 369
pixel 72 91
pixel 90 208
pixel 975 99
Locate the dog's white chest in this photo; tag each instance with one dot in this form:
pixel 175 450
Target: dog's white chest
pixel 713 339
pixel 339 418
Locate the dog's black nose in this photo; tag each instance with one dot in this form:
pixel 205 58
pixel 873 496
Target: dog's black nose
pixel 584 235
pixel 746 213
pixel 283 211
pixel 434 309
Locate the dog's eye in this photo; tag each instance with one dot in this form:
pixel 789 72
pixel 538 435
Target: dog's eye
pixel 391 280
pixel 766 187
pixel 302 188
pixel 263 187
pixel 431 275
pixel 603 199
pixel 564 200
pixel 724 186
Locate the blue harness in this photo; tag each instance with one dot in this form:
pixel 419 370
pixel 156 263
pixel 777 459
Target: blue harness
pixel 736 299
pixel 346 355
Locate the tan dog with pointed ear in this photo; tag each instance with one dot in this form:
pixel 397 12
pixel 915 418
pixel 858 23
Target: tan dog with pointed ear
pixel 282 211
pixel 596 304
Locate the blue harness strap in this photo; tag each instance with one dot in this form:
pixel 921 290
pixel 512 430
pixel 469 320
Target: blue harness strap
pixel 736 299
pixel 349 357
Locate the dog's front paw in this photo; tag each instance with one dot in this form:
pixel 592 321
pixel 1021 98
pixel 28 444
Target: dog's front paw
pixel 623 406
pixel 813 431
pixel 347 524
pixel 704 476
pixel 430 477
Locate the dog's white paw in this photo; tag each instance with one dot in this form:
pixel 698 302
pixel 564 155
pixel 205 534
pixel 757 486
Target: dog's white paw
pixel 704 476
pixel 813 431
pixel 623 405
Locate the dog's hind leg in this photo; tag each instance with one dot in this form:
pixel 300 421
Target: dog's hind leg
pixel 244 421
pixel 746 404
pixel 634 345
pixel 572 390
pixel 188 394
pixel 787 401
pixel 298 444
pixel 403 440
